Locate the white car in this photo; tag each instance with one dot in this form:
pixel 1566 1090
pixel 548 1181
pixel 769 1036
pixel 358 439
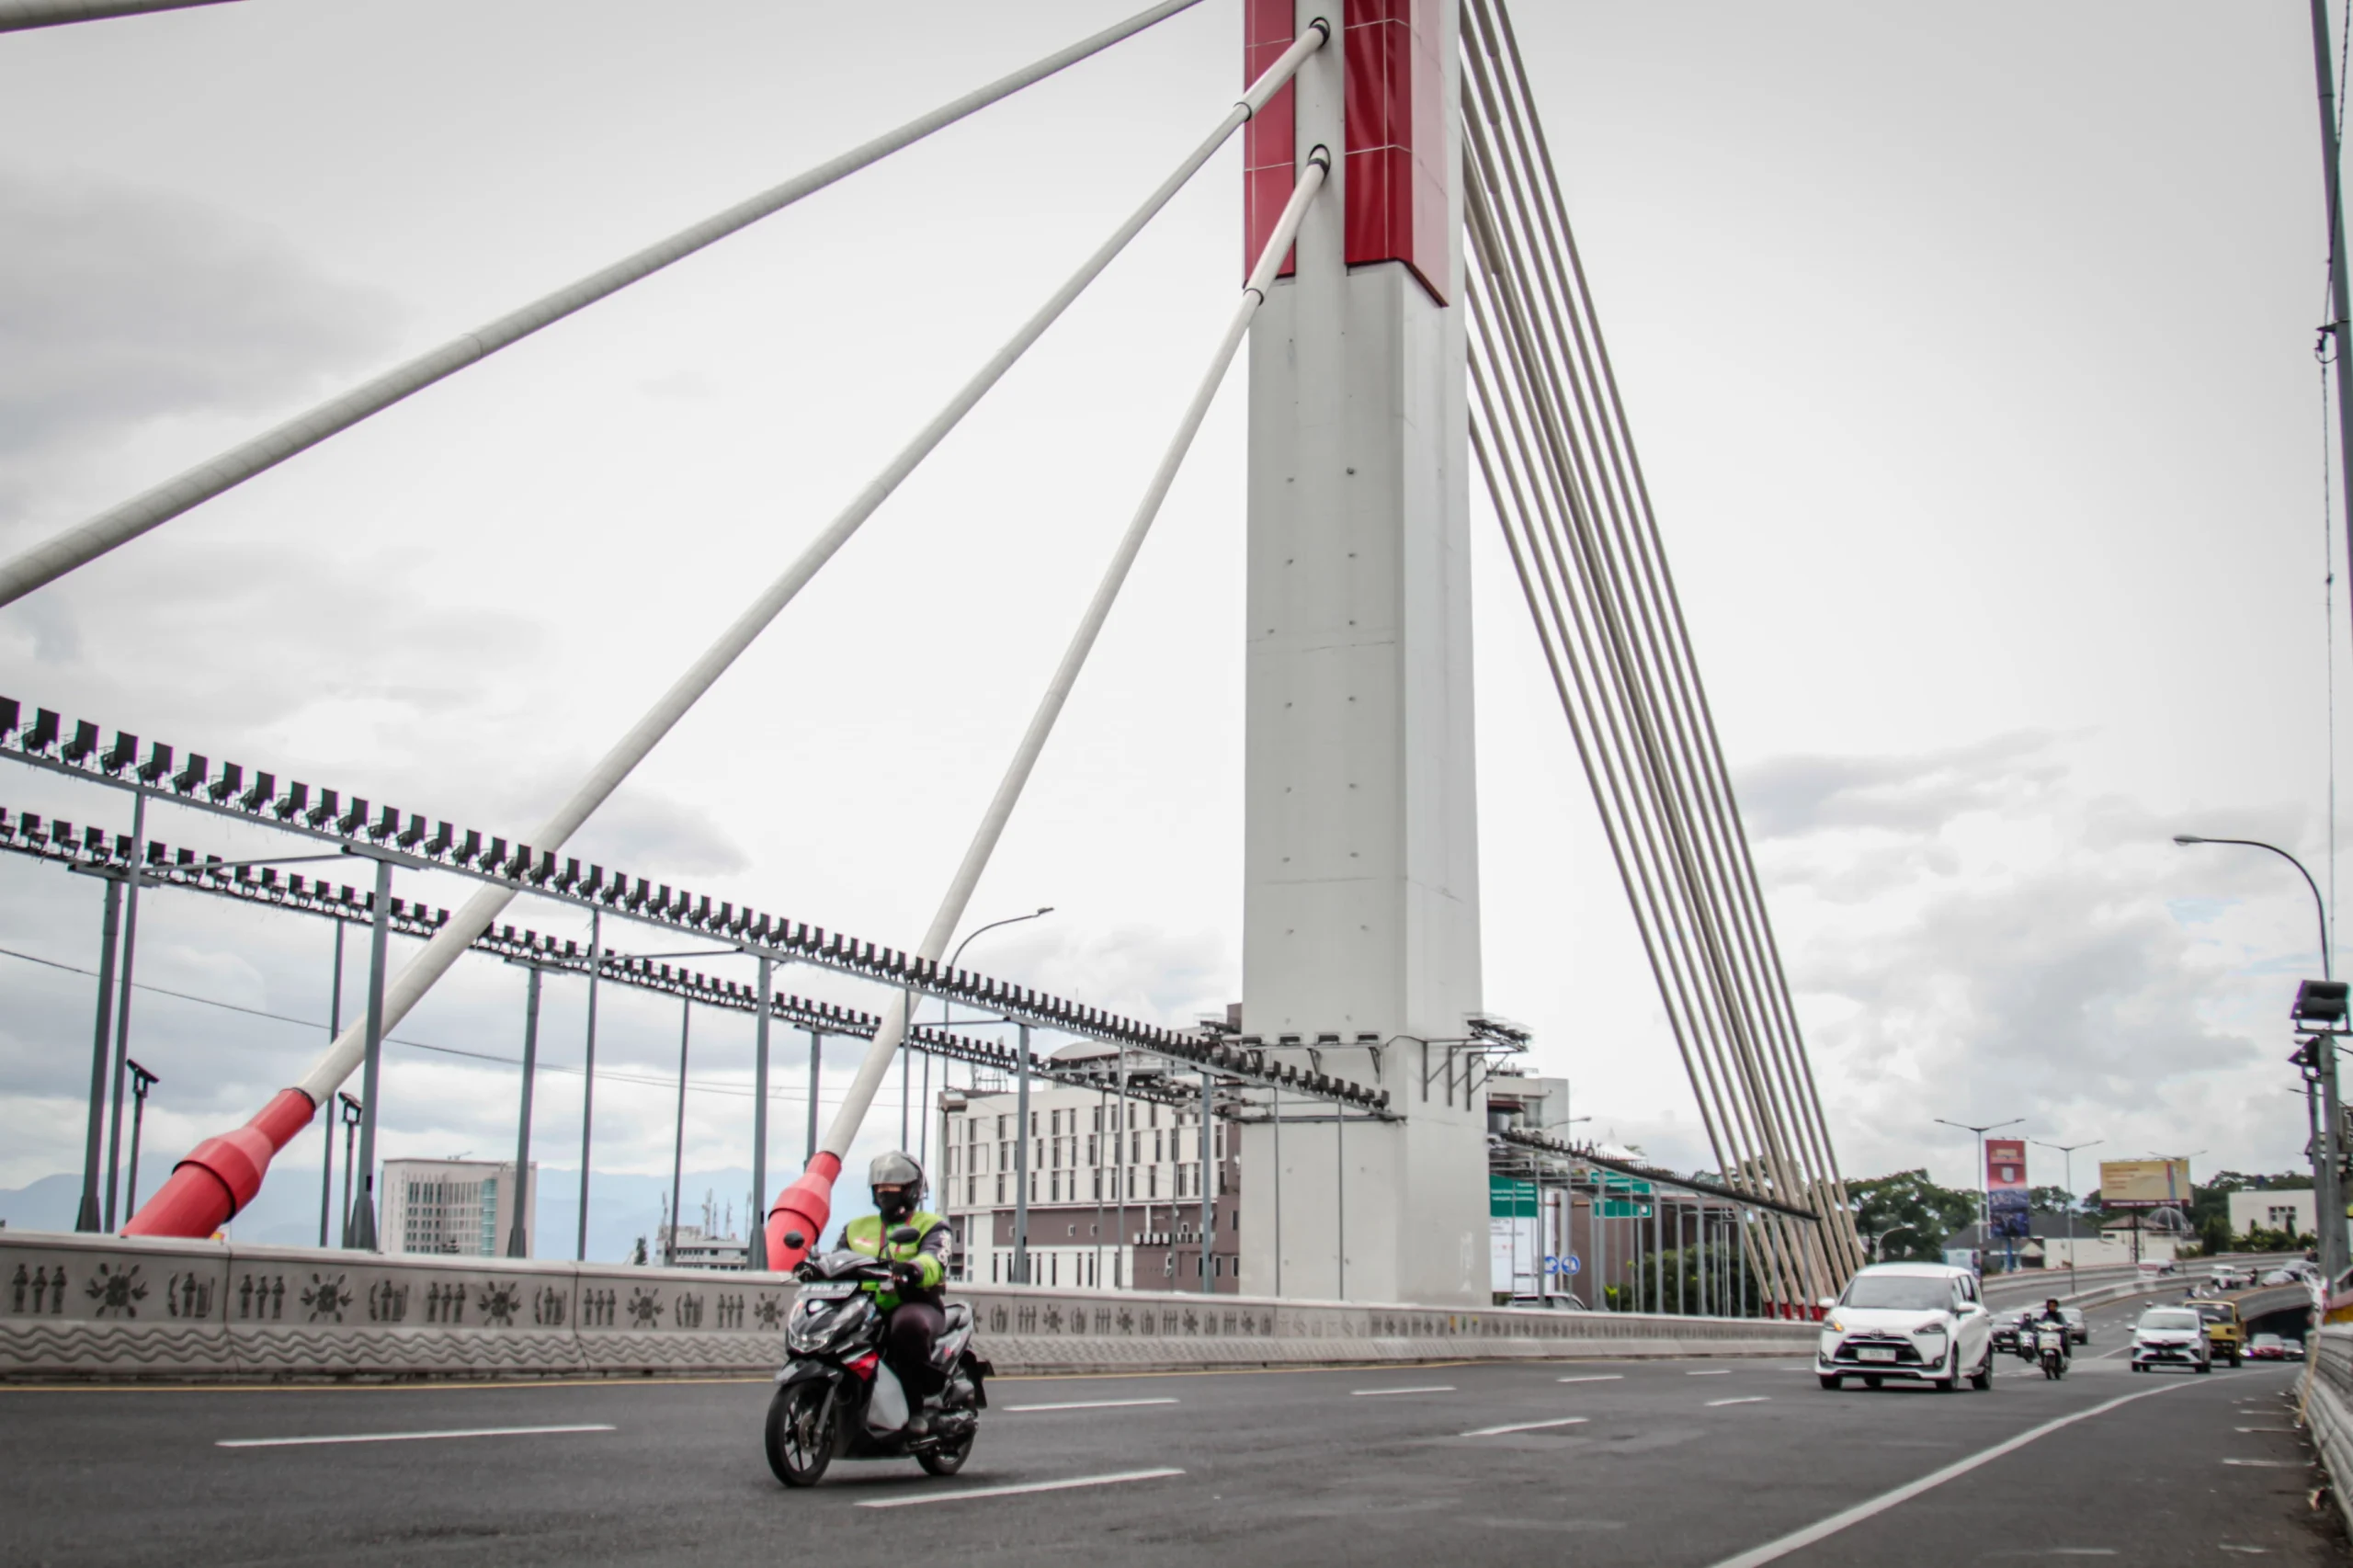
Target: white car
pixel 2171 1336
pixel 1919 1322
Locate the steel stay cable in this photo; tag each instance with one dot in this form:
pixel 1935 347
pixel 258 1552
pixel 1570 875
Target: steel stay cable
pixel 1484 229
pixel 1783 1038
pixel 1640 816
pixel 422 971
pixel 1772 1043
pixel 1654 926
pixel 85 541
pixel 1511 513
pixel 1558 211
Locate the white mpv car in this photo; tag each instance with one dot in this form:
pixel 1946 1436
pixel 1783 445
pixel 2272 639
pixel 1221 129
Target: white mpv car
pixel 1924 1322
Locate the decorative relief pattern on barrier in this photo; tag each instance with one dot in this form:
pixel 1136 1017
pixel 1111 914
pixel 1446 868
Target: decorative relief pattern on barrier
pixel 98 1307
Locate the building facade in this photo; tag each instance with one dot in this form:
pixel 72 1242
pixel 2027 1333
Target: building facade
pixel 2287 1210
pixel 456 1207
pixel 1113 1201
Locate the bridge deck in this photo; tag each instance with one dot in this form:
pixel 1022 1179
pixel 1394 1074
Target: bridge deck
pixel 1660 1462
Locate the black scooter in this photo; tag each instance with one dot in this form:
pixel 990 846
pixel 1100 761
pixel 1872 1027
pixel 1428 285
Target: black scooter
pixel 837 1399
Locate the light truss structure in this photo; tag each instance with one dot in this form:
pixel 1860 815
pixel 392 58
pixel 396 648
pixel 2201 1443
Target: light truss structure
pixel 350 825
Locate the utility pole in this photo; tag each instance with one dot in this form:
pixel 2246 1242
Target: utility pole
pixel 2338 332
pixel 1985 1203
pixel 2068 1151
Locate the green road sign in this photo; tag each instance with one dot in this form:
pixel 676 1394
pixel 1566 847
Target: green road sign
pixel 1624 1209
pixel 1508 1198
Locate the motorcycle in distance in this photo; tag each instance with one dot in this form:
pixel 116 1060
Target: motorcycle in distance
pixel 836 1397
pixel 2051 1349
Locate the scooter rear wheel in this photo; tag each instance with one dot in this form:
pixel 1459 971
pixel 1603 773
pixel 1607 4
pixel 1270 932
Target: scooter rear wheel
pixel 947 1458
pixel 800 1436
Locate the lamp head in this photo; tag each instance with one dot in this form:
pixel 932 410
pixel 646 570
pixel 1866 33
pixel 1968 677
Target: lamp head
pixel 2187 838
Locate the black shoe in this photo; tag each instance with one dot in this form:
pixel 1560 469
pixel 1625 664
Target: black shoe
pixel 919 1425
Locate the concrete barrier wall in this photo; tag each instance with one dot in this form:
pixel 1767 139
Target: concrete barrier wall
pixel 83 1308
pixel 2328 1408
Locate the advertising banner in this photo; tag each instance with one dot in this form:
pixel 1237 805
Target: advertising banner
pixel 2006 1187
pixel 2144 1184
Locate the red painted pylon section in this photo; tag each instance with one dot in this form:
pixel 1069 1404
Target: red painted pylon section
pixel 803 1210
pixel 221 1174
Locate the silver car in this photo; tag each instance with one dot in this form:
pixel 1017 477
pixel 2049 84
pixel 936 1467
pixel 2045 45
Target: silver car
pixel 2171 1336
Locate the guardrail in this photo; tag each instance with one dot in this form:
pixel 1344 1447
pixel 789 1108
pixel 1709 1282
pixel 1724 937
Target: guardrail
pixel 2328 1406
pixel 82 1308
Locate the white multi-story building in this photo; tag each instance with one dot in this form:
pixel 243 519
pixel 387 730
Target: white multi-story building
pixel 455 1208
pixel 1085 1165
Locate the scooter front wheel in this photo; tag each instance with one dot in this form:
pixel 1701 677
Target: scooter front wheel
pixel 800 1433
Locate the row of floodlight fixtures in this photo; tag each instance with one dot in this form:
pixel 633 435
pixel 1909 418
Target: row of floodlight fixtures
pixel 228 788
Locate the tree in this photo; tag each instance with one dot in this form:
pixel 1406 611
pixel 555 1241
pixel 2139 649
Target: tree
pixel 637 1258
pixel 1906 1217
pixel 2048 1200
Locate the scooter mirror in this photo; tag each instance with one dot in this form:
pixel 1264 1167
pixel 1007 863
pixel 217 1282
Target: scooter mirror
pixel 793 1238
pixel 905 1235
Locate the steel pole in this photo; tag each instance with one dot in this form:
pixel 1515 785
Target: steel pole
pixel 360 1233
pixel 1658 1250
pixel 517 1236
pixel 122 988
pixel 1274 1114
pixel 589 1078
pixel 1209 1211
pixel 350 1159
pixel 327 1123
pixel 141 1081
pixel 756 1256
pixel 1340 1195
pixel 816 1063
pixel 91 1217
pixel 678 1141
pixel 1102 1130
pixel 1123 1276
pixel 2340 328
pixel 1022 1165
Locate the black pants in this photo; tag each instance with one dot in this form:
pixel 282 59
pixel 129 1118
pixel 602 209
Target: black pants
pixel 914 1327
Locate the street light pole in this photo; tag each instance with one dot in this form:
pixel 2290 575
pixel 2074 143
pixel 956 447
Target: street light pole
pixel 2328 1195
pixel 1985 1200
pixel 2068 1151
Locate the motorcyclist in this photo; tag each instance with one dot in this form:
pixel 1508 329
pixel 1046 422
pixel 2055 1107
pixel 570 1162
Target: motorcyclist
pixel 2051 1314
pixel 912 1302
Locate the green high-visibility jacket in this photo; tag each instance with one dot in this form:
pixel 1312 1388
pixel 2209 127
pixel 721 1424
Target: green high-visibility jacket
pixel 927 1251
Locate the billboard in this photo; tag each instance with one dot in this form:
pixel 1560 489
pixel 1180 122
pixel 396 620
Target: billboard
pixel 2006 1187
pixel 2144 1184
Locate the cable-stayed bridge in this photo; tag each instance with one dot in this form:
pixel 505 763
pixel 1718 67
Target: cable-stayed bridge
pixel 1414 314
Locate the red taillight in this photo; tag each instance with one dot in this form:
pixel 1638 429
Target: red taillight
pixel 864 1365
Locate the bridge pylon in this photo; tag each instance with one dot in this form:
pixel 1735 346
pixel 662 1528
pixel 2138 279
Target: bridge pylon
pixel 1361 902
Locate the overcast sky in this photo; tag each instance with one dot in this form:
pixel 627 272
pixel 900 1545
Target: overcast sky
pixel 1969 350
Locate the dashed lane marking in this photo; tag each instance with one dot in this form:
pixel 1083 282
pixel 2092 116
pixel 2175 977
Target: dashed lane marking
pixel 400 1436
pixel 1774 1550
pixel 1711 1372
pixel 1749 1399
pixel 2272 1464
pixel 1375 1393
pixel 916 1500
pixel 1527 1427
pixel 1089 1404
pixel 1595 1378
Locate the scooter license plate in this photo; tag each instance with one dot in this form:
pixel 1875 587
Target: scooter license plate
pixel 829 1289
pixel 1875 1355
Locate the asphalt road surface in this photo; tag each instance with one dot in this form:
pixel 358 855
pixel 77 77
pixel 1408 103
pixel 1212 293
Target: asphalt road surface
pixel 1692 1464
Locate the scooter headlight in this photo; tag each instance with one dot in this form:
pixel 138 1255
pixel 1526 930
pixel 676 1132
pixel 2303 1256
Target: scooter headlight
pixel 818 1325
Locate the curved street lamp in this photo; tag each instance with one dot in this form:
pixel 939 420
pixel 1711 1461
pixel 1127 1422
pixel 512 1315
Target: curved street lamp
pixel 2328 1191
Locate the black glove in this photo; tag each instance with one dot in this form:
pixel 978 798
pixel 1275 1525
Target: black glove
pixel 804 1272
pixel 906 1274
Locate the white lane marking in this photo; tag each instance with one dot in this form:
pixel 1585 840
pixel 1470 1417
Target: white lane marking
pixel 1713 1372
pixel 1596 1377
pixel 2263 1428
pixel 1774 1550
pixel 1751 1399
pixel 917 1499
pixel 398 1437
pixel 2272 1464
pixel 1374 1394
pixel 2250 1550
pixel 1527 1427
pixel 1090 1404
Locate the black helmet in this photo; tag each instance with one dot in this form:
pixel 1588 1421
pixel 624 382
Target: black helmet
pixel 896 1182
